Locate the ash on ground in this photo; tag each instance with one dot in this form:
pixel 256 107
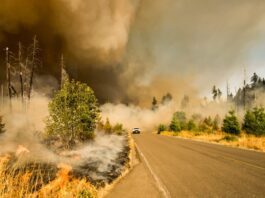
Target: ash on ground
pixel 103 160
pixel 100 161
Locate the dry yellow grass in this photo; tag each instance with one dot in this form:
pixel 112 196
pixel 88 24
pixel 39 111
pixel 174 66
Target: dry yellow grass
pixel 17 184
pixel 242 141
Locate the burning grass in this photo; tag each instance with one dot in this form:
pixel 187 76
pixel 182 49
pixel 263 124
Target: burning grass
pixel 76 173
pixel 242 141
pixel 33 181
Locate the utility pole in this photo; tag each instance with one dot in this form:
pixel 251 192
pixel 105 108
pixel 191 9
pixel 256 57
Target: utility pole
pixel 20 71
pixel 32 66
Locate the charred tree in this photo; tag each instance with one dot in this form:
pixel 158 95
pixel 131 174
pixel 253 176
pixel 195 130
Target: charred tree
pixel 8 77
pixel 33 65
pixel 64 75
pixel 20 71
pixel 2 95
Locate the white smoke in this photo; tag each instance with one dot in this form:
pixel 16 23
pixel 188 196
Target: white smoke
pixel 25 128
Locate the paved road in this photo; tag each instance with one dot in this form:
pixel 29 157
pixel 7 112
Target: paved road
pixel 189 168
pixel 138 183
pixel 197 169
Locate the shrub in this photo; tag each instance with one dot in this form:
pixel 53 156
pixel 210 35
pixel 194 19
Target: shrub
pixel 100 125
pixel 208 121
pixel 161 128
pixel 118 129
pixel 204 127
pixel 230 138
pixel 231 124
pixel 178 121
pixel 181 117
pixel 191 126
pixel 110 129
pixel 107 126
pixel 74 113
pixel 174 125
pixel 2 125
pixel 216 123
pixel 254 122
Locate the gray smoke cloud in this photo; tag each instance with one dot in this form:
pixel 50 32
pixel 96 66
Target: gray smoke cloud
pixel 119 47
pixel 200 42
pixel 92 35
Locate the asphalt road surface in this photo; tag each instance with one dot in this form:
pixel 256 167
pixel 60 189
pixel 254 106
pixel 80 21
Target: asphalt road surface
pixel 186 168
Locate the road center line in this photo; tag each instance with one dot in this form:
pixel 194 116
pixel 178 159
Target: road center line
pixel 159 183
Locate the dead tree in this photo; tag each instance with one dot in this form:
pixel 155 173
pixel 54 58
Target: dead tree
pixel 20 71
pixel 2 95
pixel 62 70
pixel 33 65
pixel 64 75
pixel 8 76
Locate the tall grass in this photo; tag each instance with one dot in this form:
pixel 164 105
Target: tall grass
pixel 242 141
pixel 34 181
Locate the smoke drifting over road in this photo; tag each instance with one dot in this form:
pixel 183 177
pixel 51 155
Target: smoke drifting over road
pixel 100 160
pixel 121 46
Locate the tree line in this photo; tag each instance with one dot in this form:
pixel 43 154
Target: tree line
pixel 246 96
pixel 253 123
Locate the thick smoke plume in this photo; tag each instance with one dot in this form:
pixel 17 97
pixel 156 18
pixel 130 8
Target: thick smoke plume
pixel 121 45
pixel 92 35
pixel 148 120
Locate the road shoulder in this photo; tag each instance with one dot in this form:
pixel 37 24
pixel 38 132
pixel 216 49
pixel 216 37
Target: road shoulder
pixel 138 183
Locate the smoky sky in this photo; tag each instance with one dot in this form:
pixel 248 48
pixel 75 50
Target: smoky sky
pixel 92 35
pixel 131 49
pixel 206 42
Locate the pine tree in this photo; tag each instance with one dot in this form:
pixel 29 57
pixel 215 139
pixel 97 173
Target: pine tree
pixel 74 113
pixel 214 92
pixel 154 104
pixel 161 128
pixel 174 125
pixel 254 122
pixel 219 94
pixel 231 124
pixel 191 126
pixel 185 102
pixel 254 79
pixel 216 122
pixel 107 126
pixel 166 98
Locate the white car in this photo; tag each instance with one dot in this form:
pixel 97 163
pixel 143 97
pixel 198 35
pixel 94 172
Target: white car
pixel 136 131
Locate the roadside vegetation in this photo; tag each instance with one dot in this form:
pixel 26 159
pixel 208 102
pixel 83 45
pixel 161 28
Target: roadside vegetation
pixel 108 128
pixel 250 134
pixel 74 118
pixel 34 181
pixel 244 127
pixel 74 113
pixel 69 136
